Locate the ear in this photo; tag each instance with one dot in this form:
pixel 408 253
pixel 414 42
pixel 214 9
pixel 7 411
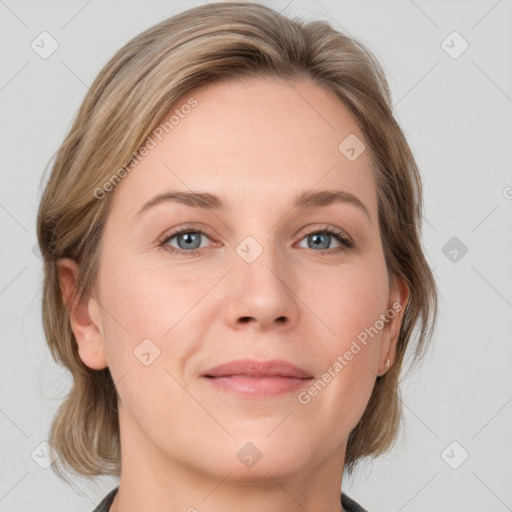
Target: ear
pixel 398 299
pixel 84 317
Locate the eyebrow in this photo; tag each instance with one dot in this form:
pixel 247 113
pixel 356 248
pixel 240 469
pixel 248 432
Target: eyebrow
pixel 207 201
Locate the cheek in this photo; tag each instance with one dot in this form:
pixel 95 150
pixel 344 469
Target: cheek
pixel 146 309
pixel 149 301
pixel 350 334
pixel 349 303
pixel 141 314
pixel 348 351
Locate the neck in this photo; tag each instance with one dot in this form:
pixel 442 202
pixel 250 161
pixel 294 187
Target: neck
pixel 273 495
pixel 153 482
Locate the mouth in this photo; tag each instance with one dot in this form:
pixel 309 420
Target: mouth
pixel 248 377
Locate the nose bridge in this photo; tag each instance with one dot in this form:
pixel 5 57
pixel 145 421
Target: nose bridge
pixel 260 286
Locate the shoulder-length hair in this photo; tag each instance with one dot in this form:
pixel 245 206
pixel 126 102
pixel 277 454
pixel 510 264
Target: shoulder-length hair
pixel 130 97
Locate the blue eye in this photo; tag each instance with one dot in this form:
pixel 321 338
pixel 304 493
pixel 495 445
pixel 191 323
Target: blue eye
pixel 321 239
pixel 189 240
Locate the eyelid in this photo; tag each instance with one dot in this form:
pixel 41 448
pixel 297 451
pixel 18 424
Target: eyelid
pixel 330 229
pixel 177 230
pixel 344 239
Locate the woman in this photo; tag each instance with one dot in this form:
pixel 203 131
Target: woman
pixel 233 266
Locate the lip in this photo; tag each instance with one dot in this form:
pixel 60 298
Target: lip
pixel 253 368
pixel 249 377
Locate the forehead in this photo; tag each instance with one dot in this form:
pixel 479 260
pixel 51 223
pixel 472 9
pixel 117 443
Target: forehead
pixel 261 139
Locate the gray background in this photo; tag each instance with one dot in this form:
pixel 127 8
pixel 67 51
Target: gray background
pixel 456 114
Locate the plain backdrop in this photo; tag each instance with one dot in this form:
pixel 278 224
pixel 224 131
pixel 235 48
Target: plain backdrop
pixel 449 69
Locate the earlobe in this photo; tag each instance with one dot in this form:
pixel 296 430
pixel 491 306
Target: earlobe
pixel 398 301
pixel 84 317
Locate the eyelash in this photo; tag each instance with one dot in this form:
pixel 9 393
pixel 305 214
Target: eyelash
pixel 339 235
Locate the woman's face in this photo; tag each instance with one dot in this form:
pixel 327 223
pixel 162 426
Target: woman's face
pixel 262 277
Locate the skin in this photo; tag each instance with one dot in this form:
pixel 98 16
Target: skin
pixel 257 143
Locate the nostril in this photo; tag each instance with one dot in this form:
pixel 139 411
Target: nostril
pixel 246 319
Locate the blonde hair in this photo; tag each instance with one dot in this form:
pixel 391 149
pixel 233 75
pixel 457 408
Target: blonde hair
pixel 129 98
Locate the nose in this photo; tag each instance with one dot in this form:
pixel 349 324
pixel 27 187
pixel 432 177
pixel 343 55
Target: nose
pixel 261 294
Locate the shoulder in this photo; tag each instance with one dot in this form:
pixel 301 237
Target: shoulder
pixel 107 501
pixel 350 505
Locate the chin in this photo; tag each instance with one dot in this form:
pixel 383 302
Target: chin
pixel 261 454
